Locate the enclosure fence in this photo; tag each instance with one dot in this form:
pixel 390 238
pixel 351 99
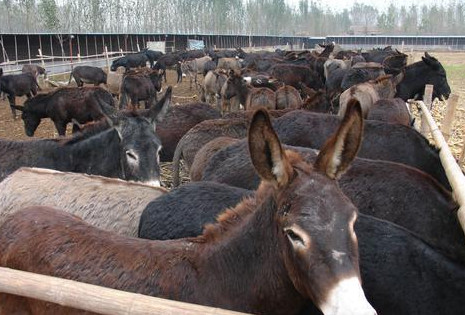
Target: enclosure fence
pixel 453 171
pixel 94 298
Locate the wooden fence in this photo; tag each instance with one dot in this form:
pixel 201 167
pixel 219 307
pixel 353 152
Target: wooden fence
pixel 453 171
pixel 94 298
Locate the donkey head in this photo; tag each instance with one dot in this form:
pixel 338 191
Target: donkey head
pixel 437 77
pixel 140 144
pixel 315 220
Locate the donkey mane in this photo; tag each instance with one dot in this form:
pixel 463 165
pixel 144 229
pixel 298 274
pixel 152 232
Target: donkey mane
pixel 233 216
pixel 39 98
pixel 419 64
pixel 86 134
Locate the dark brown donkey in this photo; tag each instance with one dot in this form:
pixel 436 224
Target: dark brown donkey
pixel 293 241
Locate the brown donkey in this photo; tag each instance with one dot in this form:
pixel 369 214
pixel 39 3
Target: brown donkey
pixel 370 92
pixel 293 241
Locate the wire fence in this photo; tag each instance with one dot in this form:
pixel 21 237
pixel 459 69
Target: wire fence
pixel 56 65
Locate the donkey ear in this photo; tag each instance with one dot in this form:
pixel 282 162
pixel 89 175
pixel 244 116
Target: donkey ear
pixel 430 61
pixel 398 78
pixel 267 155
pixel 342 147
pixel 157 112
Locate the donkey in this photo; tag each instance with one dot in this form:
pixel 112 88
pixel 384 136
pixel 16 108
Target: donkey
pixel 370 92
pixel 107 203
pixel 65 104
pixel 287 97
pixel 401 274
pixel 128 148
pixel 387 190
pixel 211 87
pixel 427 71
pixel 140 87
pixel 381 141
pixel 391 110
pixel 202 133
pixel 250 97
pixel 17 85
pixel 293 241
pixel 88 74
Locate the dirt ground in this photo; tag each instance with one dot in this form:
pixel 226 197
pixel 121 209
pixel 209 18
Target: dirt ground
pixel 454 62
pixel 14 129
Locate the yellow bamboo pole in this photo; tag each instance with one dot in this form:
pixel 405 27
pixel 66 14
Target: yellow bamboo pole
pixel 453 172
pixel 95 298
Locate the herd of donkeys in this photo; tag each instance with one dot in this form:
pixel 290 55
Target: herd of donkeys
pixel 340 208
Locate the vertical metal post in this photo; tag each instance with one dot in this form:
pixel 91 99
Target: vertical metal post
pixel 16 48
pixel 40 42
pixel 95 44
pixel 106 58
pixel 87 47
pixel 41 58
pixel 51 48
pixel 3 49
pixel 71 51
pixel 28 49
pixel 78 46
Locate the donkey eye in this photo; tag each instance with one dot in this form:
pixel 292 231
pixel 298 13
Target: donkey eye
pixel 294 237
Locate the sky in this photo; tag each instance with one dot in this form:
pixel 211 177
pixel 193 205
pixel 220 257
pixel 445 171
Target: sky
pixel 381 5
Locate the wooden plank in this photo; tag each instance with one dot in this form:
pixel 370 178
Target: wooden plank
pixel 446 126
pixel 428 101
pixel 95 298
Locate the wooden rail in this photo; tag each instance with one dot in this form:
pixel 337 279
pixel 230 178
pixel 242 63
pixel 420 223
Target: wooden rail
pixel 95 298
pixel 453 172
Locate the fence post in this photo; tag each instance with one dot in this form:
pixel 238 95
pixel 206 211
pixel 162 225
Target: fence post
pixel 106 58
pixel 428 100
pixel 138 47
pixel 121 51
pixel 79 57
pixel 446 125
pixel 42 62
pixel 402 47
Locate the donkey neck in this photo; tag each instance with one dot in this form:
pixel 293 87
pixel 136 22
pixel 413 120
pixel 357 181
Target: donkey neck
pixel 243 91
pixel 243 261
pixel 99 154
pixel 40 108
pixel 415 78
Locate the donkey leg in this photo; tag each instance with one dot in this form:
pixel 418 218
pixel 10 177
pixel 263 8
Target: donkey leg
pixel 11 99
pixel 61 128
